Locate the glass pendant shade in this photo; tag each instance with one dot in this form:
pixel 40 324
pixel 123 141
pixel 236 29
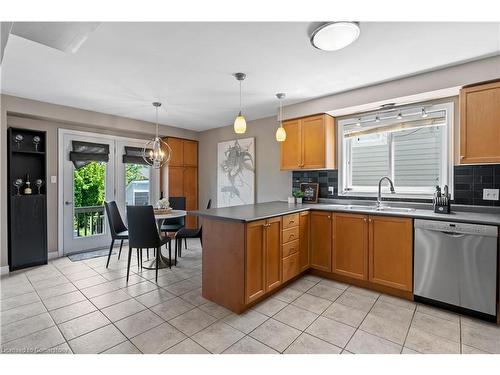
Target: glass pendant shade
pixel 240 124
pixel 281 134
pixel 156 152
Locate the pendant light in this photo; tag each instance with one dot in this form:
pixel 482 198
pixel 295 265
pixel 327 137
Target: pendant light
pixel 240 124
pixel 280 132
pixel 156 152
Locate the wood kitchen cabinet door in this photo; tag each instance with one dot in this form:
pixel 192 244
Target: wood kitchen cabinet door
pixel 190 184
pixel 304 235
pixel 273 253
pixel 391 252
pixel 350 245
pixel 175 181
pixel 480 124
pixel 291 149
pixel 177 156
pixel 255 267
pixel 313 142
pixel 321 240
pixel 190 153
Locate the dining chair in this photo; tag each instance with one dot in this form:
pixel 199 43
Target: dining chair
pixel 185 233
pixel 143 233
pixel 117 228
pixel 174 224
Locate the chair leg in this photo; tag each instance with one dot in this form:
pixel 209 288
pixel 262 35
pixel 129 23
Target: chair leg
pixel 147 253
pixel 128 262
pixel 141 260
pixel 185 243
pixel 170 254
pixel 110 251
pixel 157 257
pixel 138 259
pixel 201 243
pixel 120 252
pixel 175 251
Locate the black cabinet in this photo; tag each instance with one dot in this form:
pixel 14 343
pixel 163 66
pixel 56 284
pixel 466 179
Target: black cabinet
pixel 27 213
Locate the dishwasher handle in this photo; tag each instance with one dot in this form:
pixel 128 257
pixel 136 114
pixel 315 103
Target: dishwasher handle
pixel 453 234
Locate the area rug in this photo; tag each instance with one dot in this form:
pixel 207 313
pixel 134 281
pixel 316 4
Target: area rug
pixel 90 254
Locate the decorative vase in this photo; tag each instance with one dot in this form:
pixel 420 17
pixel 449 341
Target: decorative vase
pixel 291 200
pixel 298 200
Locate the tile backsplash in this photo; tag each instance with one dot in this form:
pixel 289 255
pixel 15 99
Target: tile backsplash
pixel 470 180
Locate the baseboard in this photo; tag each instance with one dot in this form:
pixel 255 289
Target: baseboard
pixel 4 270
pixel 52 255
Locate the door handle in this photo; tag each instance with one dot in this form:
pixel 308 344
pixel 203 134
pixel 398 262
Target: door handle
pixel 67 203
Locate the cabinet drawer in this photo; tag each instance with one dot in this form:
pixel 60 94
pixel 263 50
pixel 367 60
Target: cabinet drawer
pixel 291 248
pixel 290 221
pixel 290 234
pixel 290 266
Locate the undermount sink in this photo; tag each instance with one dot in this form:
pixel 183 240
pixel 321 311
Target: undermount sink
pixel 378 209
pixel 394 209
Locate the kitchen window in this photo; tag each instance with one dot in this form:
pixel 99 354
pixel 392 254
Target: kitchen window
pixel 412 145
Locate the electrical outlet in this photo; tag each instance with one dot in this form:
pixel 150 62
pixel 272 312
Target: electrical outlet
pixel 53 179
pixel 330 190
pixel 490 194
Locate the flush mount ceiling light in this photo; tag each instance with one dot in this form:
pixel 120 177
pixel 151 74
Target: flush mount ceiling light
pixel 280 132
pixel 156 152
pixel 333 36
pixel 240 124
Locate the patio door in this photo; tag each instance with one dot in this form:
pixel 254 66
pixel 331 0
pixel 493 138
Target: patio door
pixel 88 180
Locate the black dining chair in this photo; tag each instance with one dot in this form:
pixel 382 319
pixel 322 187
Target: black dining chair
pixel 174 224
pixel 117 228
pixel 143 234
pixel 185 233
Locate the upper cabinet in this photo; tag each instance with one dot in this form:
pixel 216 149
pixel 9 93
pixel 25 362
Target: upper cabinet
pixel 480 124
pixel 309 144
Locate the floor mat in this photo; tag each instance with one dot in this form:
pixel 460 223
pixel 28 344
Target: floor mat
pixel 90 254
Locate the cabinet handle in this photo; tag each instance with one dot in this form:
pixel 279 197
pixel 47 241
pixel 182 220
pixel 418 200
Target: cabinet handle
pixel 462 157
pixel 291 222
pixel 329 217
pixel 291 236
pixel 365 220
pixel 370 220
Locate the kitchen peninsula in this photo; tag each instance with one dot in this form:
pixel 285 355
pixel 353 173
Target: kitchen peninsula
pixel 251 251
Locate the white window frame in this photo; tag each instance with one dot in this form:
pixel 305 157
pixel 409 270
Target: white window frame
pixel 345 187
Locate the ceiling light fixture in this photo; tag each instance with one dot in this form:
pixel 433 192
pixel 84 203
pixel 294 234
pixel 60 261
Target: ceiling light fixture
pixel 240 124
pixel 153 152
pixel 400 116
pixel 280 132
pixel 377 119
pixel 424 113
pixel 333 36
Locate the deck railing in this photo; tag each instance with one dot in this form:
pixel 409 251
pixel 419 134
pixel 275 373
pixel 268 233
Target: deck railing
pixel 88 221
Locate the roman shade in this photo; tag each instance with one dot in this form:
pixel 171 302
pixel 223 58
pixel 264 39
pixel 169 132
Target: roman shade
pixel 133 155
pixel 84 153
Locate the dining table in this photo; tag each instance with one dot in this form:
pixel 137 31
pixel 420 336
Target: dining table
pixel 160 219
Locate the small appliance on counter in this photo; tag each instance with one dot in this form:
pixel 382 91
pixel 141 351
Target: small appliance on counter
pixel 441 200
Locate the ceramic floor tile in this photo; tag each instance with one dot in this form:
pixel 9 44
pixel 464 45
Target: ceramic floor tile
pixel 443 328
pixel 158 339
pixel 362 291
pixel 109 299
pixel 52 282
pixel 248 345
pixel 90 281
pixel 398 301
pixel 334 284
pixel 357 301
pixel 312 303
pixel 83 324
pixel 172 308
pixel 386 328
pixel 335 333
pixel 481 335
pixel 438 313
pixel 59 349
pixel 70 298
pixel 192 321
pixel 140 288
pixel 217 337
pixel 365 343
pixel 194 297
pixel 35 343
pixel 466 349
pixel 215 310
pixel 138 323
pixel 296 317
pixel 270 306
pixel 154 297
pixel 302 285
pixel 99 289
pixel 125 347
pixel 187 346
pixel 399 315
pixel 275 334
pixel 325 291
pixel 288 294
pixel 345 314
pixel 56 291
pixel 25 327
pixel 426 343
pixel 182 287
pixel 72 311
pixel 97 341
pixel 247 321
pixel 16 301
pixel 409 351
pixel 22 312
pixel 123 309
pixel 307 344
pixel 23 288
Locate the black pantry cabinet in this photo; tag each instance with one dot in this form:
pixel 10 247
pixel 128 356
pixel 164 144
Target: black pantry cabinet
pixel 27 213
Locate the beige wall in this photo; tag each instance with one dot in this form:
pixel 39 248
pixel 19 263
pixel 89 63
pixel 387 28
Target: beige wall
pixel 271 183
pixel 25 113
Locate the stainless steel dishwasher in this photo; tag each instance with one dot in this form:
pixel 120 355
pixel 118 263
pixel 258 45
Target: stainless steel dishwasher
pixel 455 264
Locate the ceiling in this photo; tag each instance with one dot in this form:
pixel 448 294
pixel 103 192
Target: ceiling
pixel 123 67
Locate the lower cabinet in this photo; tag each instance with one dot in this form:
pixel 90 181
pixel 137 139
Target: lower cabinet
pixel 321 240
pixel 304 238
pixel 391 252
pixel 291 267
pixel 350 245
pixel 263 257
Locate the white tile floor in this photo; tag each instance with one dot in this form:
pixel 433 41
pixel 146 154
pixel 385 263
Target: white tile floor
pixel 82 307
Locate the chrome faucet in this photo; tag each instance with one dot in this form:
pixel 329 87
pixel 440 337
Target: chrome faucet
pixel 379 198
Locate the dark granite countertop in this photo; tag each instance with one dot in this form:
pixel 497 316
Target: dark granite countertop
pixel 259 211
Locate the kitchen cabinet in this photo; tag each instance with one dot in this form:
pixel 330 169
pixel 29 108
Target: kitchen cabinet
pixel 182 173
pixel 321 240
pixel 304 238
pixel 263 257
pixel 350 245
pixel 480 124
pixel 391 252
pixel 309 144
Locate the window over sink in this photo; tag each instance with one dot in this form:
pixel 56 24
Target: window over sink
pixel 410 144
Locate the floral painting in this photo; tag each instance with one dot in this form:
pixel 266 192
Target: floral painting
pixel 236 172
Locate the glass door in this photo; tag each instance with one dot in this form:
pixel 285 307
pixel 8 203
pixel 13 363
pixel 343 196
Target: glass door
pixel 87 184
